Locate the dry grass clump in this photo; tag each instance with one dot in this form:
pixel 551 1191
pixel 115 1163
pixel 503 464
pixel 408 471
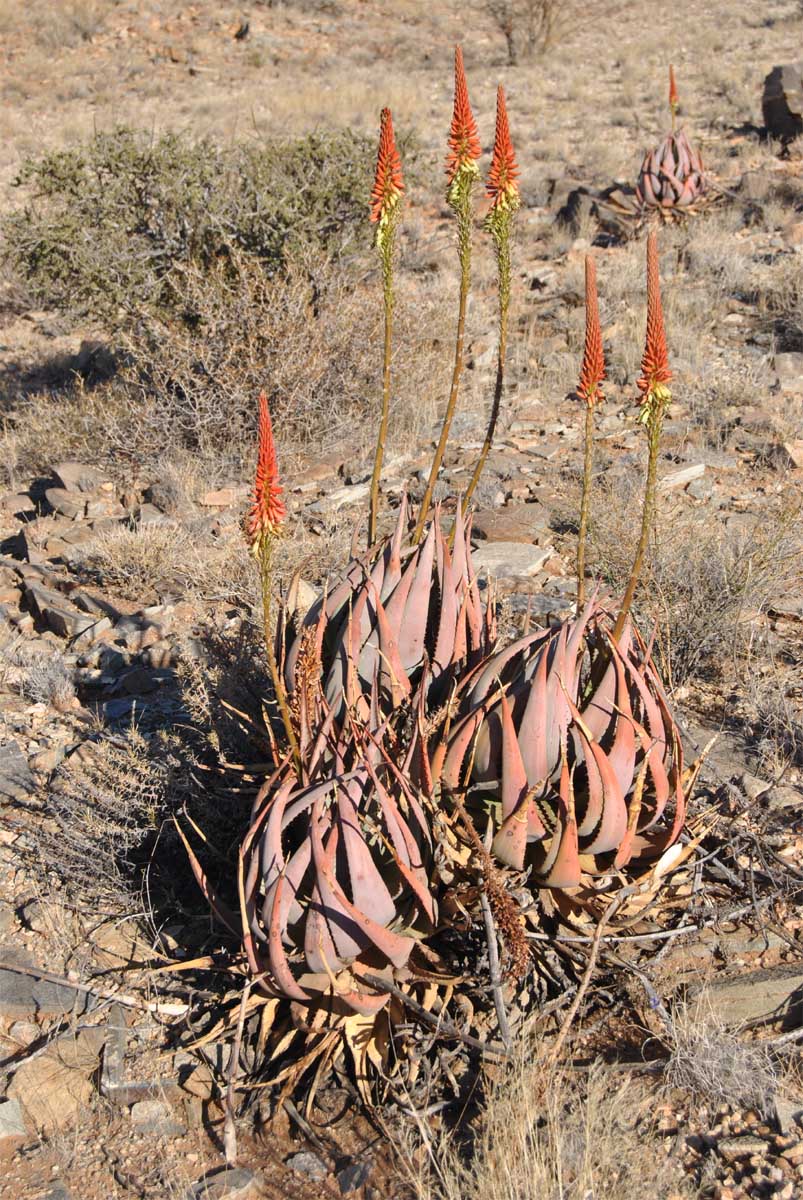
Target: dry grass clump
pixel 134 560
pixel 187 380
pixel 714 1065
pixel 547 1134
pixel 39 674
pixel 105 807
pixel 53 26
pixel 706 582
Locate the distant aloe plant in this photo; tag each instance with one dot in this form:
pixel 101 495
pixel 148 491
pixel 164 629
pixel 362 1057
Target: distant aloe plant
pixel 672 176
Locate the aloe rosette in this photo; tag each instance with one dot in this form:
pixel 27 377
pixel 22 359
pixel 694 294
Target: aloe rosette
pixel 336 875
pixel 672 175
pixel 396 610
pixel 581 766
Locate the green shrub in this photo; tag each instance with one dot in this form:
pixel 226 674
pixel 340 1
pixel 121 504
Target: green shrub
pixel 109 227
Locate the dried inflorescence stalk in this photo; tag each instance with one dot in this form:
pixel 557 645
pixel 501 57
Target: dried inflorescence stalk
pixel 385 208
pixel 461 172
pixel 592 374
pixel 503 189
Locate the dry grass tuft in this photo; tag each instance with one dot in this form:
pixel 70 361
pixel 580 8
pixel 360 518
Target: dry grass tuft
pixel 714 1065
pixel 39 674
pixel 549 1134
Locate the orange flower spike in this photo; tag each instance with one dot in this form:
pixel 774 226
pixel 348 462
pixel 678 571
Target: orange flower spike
pixel 655 370
pixel 673 89
pixel 388 182
pixel 267 511
pixel 464 139
pixel 592 372
pixel 502 185
pixel 673 95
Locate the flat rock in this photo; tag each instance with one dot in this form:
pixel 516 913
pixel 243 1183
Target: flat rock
pixel 307 1163
pixel 156 1117
pixel 230 1183
pixel 789 369
pixel 78 477
pixel 775 994
pixel 789 607
pixel 16 780
pixel 25 995
pixel 795 451
pixel 69 504
pixel 225 497
pixel 527 523
pixel 57 612
pixel 679 478
pixel 511 560
pixel 341 498
pixel 734 1148
pixel 12 1122
pixel 55 1088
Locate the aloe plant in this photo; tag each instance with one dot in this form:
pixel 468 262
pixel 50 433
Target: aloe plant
pixel 336 874
pixel 578 777
pixel 395 610
pixel 672 175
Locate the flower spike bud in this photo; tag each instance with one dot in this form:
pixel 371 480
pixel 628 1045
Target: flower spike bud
pixel 267 510
pixel 655 372
pixel 502 184
pixel 464 140
pixel 592 372
pixel 388 182
pixel 673 94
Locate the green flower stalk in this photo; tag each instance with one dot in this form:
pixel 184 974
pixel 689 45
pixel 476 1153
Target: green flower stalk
pixel 462 173
pixel 263 526
pixel 503 189
pixel 589 389
pixel 655 398
pixel 385 210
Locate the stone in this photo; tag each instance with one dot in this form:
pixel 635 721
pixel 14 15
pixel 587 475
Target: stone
pixel 734 1148
pixel 795 451
pixel 78 477
pixel 766 995
pixel 156 1117
pixel 68 504
pixel 789 607
pixel 782 101
pixel 57 612
pixel 527 523
pixel 353 1177
pixel 307 1163
pixel 55 1087
pixel 225 497
pixel 341 498
pixel 16 780
pixel 789 369
pixel 511 560
pixel 227 1183
pixel 25 995
pixel 679 478
pixel 783 798
pixel 12 1122
pixel 105 508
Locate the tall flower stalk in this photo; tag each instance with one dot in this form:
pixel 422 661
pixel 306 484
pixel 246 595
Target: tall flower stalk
pixel 462 173
pixel 263 526
pixel 589 389
pixel 673 96
pixel 655 398
pixel 503 189
pixel 385 209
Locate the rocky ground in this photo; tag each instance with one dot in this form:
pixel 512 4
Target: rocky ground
pixel 121 596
